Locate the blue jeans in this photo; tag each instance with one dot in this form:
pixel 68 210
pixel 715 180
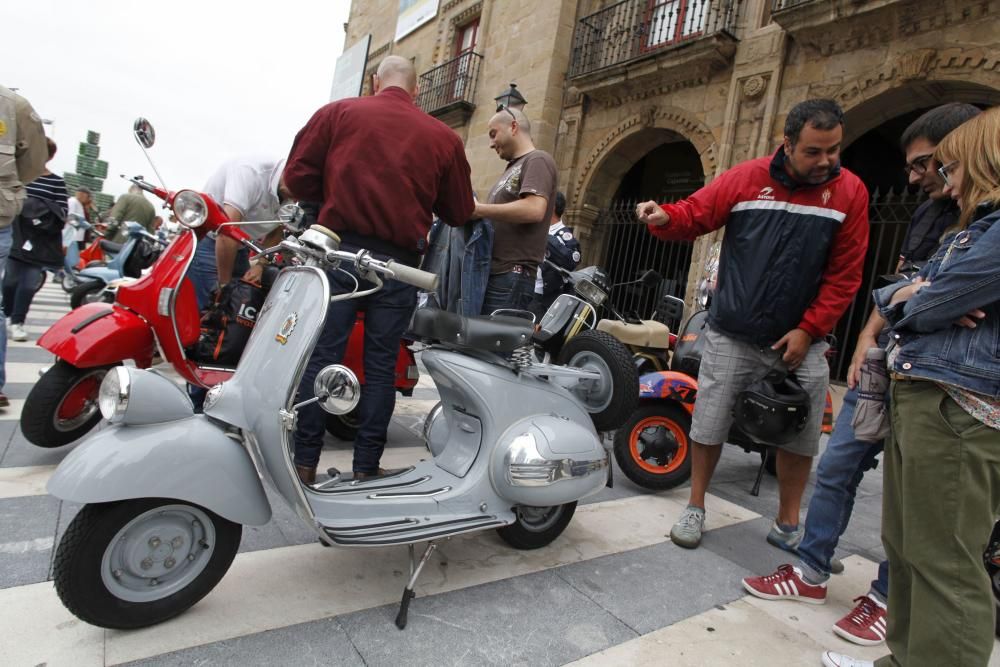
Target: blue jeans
pixel 387 314
pixel 20 283
pixel 6 239
pixel 203 273
pixel 838 475
pixel 513 290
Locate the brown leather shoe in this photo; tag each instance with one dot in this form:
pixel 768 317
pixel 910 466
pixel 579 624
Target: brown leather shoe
pixel 306 475
pixel 4 401
pixel 360 476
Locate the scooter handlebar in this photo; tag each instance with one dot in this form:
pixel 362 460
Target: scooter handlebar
pixel 423 279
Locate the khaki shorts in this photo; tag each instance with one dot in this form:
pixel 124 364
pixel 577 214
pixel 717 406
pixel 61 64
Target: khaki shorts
pixel 729 366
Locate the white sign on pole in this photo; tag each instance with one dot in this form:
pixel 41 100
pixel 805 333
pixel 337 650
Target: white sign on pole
pixel 348 77
pixel 413 14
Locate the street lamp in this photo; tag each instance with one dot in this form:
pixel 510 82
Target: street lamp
pixel 510 98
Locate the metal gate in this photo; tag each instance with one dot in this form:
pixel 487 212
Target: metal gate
pixel 630 250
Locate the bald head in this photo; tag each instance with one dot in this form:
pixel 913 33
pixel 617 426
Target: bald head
pixel 396 71
pixel 504 116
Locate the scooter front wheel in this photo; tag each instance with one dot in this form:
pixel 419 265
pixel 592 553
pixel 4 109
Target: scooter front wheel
pixel 62 406
pixel 536 527
pixel 653 446
pixel 135 563
pixel 612 398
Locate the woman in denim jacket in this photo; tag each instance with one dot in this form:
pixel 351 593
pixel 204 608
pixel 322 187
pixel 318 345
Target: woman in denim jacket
pixel 942 467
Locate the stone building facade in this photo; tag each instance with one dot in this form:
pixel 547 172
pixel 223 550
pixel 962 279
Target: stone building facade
pixel 649 99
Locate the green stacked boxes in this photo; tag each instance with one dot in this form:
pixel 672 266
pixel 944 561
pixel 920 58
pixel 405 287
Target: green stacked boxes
pixel 91 172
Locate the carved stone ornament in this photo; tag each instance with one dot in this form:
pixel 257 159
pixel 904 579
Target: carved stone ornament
pixel 754 87
pixel 915 64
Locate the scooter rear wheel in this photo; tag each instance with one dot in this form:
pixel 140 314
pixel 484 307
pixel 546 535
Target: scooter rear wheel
pixel 653 446
pixel 537 527
pixel 135 563
pixel 615 396
pixel 343 427
pixel 62 406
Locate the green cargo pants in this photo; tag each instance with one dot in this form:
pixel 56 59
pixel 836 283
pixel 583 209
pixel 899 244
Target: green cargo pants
pixel 941 497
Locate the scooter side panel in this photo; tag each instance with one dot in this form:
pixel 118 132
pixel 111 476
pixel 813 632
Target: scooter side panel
pixel 86 338
pixel 190 459
pixel 669 386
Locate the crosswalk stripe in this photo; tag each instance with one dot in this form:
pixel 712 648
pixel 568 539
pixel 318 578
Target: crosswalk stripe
pixel 20 371
pixel 13 411
pixel 24 481
pixel 280 587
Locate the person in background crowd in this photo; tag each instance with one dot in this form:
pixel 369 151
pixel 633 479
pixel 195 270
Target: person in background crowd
pixel 847 458
pixel 78 210
pixel 38 245
pixel 563 250
pixel 130 207
pixel 382 168
pixel 520 207
pixel 942 462
pixel 796 235
pixel 22 160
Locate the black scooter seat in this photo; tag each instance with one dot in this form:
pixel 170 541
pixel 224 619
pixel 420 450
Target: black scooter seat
pixel 110 246
pixel 490 334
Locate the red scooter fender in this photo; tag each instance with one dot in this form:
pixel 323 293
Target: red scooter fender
pixel 669 385
pixel 100 334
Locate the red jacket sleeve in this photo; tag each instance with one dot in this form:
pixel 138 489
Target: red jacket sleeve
pixel 844 268
pixel 303 173
pixel 455 202
pixel 705 211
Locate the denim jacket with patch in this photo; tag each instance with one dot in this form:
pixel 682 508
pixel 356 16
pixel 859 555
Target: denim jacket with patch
pixel 965 275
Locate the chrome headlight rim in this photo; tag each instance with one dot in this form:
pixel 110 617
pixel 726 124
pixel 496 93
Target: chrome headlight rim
pixel 590 291
pixel 190 209
pixel 113 395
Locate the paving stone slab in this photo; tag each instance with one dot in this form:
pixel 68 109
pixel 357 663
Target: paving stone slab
pixel 535 620
pixel 27 529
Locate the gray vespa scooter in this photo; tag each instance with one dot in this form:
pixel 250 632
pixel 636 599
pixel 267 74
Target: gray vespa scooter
pixel 166 491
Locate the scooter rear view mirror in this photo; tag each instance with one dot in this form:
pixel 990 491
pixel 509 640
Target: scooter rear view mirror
pixel 650 278
pixel 144 132
pixel 337 389
pixel 293 217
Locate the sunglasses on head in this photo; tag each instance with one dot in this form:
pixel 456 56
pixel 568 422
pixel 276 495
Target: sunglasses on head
pixel 504 107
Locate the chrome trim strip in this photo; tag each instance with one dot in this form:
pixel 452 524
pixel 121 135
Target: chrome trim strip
pixel 411 494
pixel 420 536
pixel 357 486
pixel 372 527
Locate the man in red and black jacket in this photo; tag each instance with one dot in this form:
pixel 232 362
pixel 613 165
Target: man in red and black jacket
pixel 382 168
pixel 792 260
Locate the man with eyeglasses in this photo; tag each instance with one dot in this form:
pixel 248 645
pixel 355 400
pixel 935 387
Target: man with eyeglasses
pixel 520 206
pixel 847 458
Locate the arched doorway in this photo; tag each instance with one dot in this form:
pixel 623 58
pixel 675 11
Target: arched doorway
pixel 872 151
pixel 652 164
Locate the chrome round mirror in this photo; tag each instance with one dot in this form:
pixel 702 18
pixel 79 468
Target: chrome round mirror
pixel 338 389
pixel 293 217
pixel 144 132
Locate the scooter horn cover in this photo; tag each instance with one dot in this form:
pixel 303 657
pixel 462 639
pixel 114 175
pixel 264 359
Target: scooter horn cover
pixel 772 410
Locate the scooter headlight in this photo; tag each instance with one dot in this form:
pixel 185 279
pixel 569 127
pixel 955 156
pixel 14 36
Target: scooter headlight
pixel 114 393
pixel 590 291
pixel 190 208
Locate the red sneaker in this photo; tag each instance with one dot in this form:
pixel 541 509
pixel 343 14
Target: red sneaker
pixel 786 584
pixel 4 401
pixel 865 624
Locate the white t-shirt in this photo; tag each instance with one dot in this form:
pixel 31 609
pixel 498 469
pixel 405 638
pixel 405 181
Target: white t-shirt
pixel 74 210
pixel 250 185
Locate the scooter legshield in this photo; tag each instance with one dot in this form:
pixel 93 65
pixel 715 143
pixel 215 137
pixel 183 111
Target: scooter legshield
pixel 98 334
pixel 188 459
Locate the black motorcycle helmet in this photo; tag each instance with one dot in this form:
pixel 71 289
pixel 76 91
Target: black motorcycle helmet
pixel 772 410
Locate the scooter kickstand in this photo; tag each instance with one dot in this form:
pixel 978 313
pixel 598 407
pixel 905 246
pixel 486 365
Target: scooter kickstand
pixel 755 491
pixel 408 594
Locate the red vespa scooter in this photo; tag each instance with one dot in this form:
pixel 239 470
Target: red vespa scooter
pixel 159 310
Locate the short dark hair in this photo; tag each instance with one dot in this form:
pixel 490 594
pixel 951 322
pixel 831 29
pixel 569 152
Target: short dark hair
pixel 937 123
pixel 560 204
pixel 821 114
pixel 52 147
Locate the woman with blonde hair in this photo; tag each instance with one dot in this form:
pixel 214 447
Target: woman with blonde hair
pixel 942 465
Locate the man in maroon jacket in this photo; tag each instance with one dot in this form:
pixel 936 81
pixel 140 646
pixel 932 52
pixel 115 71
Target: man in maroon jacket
pixel 382 169
pixel 791 262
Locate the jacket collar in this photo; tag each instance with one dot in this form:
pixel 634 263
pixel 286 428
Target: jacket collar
pixel 780 174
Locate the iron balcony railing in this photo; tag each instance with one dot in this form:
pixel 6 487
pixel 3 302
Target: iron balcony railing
pixel 778 5
pixel 450 83
pixel 633 29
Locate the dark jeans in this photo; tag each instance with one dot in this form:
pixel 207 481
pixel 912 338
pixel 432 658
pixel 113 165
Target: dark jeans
pixel 20 283
pixel 387 314
pixel 205 276
pixel 513 290
pixel 838 475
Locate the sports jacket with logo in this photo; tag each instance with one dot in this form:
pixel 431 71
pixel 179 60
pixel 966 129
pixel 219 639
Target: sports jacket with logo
pixel 793 254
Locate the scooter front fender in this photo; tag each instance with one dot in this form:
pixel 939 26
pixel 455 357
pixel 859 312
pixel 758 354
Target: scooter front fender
pixel 99 334
pixel 189 459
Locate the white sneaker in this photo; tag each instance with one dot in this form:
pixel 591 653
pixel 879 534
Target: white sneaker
pixel 831 659
pixel 18 333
